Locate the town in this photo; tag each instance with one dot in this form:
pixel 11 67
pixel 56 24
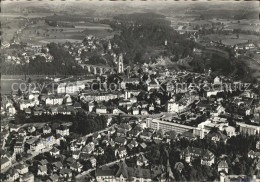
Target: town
pixel 91 111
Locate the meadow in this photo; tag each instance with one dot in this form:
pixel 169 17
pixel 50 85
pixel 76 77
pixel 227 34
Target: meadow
pixel 231 40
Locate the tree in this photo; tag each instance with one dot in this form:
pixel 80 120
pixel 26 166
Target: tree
pixel 29 80
pixel 19 92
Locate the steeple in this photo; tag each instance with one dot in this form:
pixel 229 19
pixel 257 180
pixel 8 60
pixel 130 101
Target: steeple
pixel 109 46
pixel 120 64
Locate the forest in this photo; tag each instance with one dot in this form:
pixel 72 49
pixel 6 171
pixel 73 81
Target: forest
pixel 143 37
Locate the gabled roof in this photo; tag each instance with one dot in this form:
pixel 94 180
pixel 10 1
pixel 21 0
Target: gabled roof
pixel 222 164
pixel 123 170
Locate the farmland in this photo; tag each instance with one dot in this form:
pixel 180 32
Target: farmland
pixel 232 40
pixel 37 31
pixel 42 33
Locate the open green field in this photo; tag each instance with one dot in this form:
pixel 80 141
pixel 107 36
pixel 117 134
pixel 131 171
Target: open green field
pixel 42 33
pixel 231 39
pixel 254 66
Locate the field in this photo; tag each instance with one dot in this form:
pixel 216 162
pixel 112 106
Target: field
pixel 42 33
pixel 231 39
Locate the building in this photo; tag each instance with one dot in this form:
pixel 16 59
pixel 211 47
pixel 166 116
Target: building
pixel 167 126
pixel 191 153
pixel 223 166
pixel 153 85
pixel 105 174
pixel 46 129
pixel 121 152
pixel 101 110
pixel 63 130
pixel 172 106
pixel 120 64
pixel 52 100
pixel 5 163
pixel 248 129
pixel 70 87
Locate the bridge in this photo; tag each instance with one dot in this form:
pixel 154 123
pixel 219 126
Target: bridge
pixel 95 69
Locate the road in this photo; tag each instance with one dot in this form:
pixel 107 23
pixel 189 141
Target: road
pixel 27 158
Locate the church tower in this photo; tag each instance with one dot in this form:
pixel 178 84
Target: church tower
pixel 120 64
pixel 165 42
pixel 109 45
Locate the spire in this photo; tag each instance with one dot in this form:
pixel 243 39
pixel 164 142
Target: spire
pixel 120 64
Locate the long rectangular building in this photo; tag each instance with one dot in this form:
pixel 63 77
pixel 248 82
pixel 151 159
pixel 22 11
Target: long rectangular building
pixel 167 126
pixel 248 129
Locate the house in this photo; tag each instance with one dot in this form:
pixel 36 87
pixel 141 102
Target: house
pixel 146 135
pixel 257 145
pixel 14 128
pixel 132 144
pixel 63 130
pixel 172 106
pixel 101 110
pixel 143 145
pixel 105 174
pixel 135 111
pixel 37 146
pixel 5 163
pixel 90 106
pixel 133 99
pixel 144 112
pixel 12 175
pixel 55 152
pixel 124 173
pixel 76 166
pixel 48 140
pixel 54 100
pixel 28 177
pixel 120 141
pixel 252 154
pixel 117 111
pixel 153 85
pixel 89 148
pixel 141 160
pixel 57 166
pixel 134 133
pixel 65 173
pixel 31 129
pixel 18 147
pixel 217 136
pixel 230 130
pixel 22 168
pixel 125 126
pixel 151 107
pixel 68 100
pixel 76 154
pixel 223 166
pixel 207 158
pixel 77 105
pixel 42 170
pixel 22 132
pixel 93 161
pixel 54 177
pixel 191 153
pixel 121 152
pixel 46 129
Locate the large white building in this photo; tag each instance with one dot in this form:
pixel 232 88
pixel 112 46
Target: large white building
pixel 70 87
pixel 167 126
pixel 172 106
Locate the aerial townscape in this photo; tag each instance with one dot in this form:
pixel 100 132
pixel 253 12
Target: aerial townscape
pixel 130 91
